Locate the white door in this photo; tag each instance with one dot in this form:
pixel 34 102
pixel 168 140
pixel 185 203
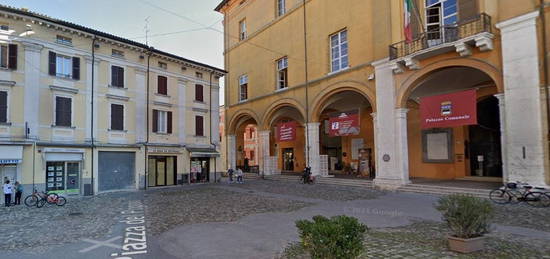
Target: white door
pixel 9 173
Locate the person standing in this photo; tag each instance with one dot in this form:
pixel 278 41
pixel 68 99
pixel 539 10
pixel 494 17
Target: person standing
pixel 18 193
pixel 240 175
pixel 8 190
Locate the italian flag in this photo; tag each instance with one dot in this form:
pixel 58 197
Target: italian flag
pixel 408 13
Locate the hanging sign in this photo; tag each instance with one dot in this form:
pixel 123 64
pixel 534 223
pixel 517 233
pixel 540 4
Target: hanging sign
pixel 286 131
pixel 449 110
pixel 344 123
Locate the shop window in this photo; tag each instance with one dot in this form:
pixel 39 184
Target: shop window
pixel 162 85
pixel 242 30
pixel 162 122
pixel 282 73
pixel 243 88
pixel 8 56
pixel 63 66
pixel 3 107
pixel 117 117
pixel 117 76
pixel 199 126
pixel 437 146
pixel 199 93
pixel 281 7
pixel 339 51
pixel 63 111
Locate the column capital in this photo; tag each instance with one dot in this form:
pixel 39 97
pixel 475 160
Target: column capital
pixel 500 97
pixel 313 124
pixel 401 112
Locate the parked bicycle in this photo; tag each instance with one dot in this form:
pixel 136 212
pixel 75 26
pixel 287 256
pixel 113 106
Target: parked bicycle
pixel 521 192
pixel 39 199
pixel 307 177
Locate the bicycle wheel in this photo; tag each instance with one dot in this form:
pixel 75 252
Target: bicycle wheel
pixel 52 198
pixel 41 203
pixel 500 196
pixel 61 201
pixel 31 200
pixel 537 199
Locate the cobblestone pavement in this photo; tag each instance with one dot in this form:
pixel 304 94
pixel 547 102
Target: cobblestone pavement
pixel 37 229
pixel 523 215
pixel 314 191
pixel 428 240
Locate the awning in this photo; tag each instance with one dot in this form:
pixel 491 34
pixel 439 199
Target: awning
pixel 11 154
pixel 203 152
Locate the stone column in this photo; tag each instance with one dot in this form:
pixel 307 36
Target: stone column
pixel 392 168
pixel 215 118
pixel 232 152
pixel 525 110
pixel 502 114
pixel 32 88
pixel 312 147
pixel 263 161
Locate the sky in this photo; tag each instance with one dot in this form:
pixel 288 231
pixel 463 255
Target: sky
pixel 191 28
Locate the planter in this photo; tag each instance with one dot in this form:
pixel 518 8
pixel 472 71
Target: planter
pixel 469 245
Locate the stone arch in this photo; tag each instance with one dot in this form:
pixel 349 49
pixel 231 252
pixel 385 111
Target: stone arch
pixel 274 107
pixel 238 116
pixel 412 82
pixel 338 87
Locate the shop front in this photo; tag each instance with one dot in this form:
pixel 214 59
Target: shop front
pixel 11 158
pixel 200 165
pixel 63 170
pixel 162 171
pixel 116 171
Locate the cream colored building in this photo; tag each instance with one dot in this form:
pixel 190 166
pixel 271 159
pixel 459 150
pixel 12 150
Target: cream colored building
pixel 309 61
pixel 83 111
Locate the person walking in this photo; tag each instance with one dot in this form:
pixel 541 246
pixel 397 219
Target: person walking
pixel 18 193
pixel 8 190
pixel 240 176
pixel 230 174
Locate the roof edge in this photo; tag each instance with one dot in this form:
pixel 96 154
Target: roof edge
pixel 221 5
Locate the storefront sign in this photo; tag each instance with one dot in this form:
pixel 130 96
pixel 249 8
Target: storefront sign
pixel 449 110
pixel 10 161
pixel 286 131
pixel 344 124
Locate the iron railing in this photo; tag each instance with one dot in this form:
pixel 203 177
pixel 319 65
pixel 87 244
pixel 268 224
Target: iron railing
pixel 446 34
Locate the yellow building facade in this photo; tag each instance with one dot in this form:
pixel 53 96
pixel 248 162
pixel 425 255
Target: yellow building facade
pixel 86 112
pixel 315 62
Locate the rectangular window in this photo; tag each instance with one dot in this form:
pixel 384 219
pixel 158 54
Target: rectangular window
pixel 198 74
pixel 339 51
pixel 117 53
pixel 64 66
pixel 162 85
pixel 63 111
pixel 160 121
pixel 3 106
pixel 4 56
pixel 163 65
pixel 4 27
pixel 242 30
pixel 63 40
pixel 199 93
pixel 282 73
pixel 199 126
pixel 117 117
pixel 243 88
pixel 281 7
pixel 117 76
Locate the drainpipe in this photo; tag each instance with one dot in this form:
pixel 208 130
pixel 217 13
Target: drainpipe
pixel 92 116
pixel 545 64
pixel 146 160
pixel 306 86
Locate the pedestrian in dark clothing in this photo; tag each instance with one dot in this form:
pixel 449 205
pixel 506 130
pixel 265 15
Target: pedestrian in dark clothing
pixel 18 193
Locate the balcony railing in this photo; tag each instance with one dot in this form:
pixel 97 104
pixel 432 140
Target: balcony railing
pixel 445 34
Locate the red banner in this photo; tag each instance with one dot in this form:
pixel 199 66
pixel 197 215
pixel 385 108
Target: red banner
pixel 344 124
pixel 286 131
pixel 449 110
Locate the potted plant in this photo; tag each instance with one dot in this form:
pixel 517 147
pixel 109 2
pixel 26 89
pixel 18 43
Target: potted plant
pixel 468 218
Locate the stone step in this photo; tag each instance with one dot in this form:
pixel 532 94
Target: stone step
pixel 445 193
pixel 445 188
pixel 323 180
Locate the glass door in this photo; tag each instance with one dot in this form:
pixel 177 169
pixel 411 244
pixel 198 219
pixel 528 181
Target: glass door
pixel 288 159
pixel 152 172
pixel 73 178
pixel 161 171
pixel 433 25
pixel 55 176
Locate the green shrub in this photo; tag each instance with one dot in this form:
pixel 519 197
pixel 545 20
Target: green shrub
pixel 466 216
pixel 337 237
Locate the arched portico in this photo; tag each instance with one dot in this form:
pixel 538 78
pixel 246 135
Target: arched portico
pixel 242 141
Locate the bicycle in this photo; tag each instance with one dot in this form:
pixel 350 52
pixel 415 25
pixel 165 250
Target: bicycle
pixel 520 192
pixel 38 199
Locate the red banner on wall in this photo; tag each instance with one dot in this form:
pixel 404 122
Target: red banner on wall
pixel 449 110
pixel 286 131
pixel 344 123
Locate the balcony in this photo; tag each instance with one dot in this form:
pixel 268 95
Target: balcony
pixel 476 32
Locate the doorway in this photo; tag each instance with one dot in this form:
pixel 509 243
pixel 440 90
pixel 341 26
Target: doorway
pixel 162 171
pixel 288 159
pixel 484 148
pixel 63 177
pixel 200 169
